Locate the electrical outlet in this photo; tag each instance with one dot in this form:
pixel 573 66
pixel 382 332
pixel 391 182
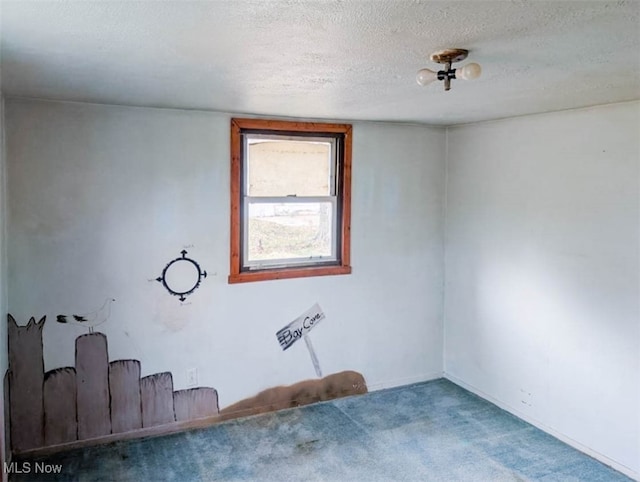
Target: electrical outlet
pixel 192 377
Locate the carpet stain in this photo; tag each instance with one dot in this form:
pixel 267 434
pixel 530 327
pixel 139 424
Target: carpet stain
pixel 306 447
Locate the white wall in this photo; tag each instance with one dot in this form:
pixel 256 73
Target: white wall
pixel 3 280
pixel 102 197
pixel 542 305
pixel 542 272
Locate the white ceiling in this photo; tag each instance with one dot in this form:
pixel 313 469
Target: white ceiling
pixel 351 59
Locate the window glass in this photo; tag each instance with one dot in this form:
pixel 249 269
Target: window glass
pixel 288 168
pixel 298 230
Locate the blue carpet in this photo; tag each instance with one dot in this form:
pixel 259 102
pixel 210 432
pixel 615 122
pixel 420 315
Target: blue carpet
pixel 433 431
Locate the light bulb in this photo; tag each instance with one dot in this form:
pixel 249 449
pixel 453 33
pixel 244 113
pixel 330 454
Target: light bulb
pixel 426 76
pixel 469 72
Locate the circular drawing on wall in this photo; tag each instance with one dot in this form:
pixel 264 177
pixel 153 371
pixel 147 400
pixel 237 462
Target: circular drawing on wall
pixel 181 276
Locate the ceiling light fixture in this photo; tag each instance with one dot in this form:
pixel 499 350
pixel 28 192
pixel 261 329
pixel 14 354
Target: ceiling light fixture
pixel 447 57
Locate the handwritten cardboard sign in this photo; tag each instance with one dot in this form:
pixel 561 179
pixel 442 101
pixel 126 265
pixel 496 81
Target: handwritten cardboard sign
pixel 299 327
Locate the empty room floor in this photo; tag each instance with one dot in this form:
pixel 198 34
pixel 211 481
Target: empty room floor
pixel 427 431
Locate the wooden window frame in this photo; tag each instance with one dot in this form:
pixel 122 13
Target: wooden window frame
pixel 277 127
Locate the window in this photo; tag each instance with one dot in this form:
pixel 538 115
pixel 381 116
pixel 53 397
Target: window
pixel 290 199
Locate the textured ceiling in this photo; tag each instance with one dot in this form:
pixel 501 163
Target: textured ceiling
pixel 352 59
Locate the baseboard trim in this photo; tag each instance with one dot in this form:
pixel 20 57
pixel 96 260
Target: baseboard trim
pixel 545 428
pixel 400 382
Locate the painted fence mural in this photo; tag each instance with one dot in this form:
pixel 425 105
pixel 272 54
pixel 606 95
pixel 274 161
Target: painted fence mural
pixel 93 399
pixel 98 398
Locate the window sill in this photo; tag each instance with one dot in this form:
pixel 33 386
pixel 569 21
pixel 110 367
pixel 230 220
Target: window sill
pixel 287 273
